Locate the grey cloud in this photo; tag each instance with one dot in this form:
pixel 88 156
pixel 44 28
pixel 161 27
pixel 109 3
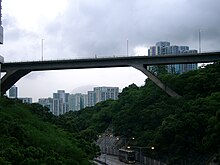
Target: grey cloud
pixel 19 44
pixel 13 33
pixel 102 27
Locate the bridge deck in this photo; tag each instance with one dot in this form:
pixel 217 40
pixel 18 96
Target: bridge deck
pixel 112 62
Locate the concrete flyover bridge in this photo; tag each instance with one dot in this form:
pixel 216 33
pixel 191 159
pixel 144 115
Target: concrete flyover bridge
pixel 16 70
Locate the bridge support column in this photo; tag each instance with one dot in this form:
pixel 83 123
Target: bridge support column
pixel 153 78
pixel 1 61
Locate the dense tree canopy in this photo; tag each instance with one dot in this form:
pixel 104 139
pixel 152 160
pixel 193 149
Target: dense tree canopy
pixel 182 129
pixel 27 137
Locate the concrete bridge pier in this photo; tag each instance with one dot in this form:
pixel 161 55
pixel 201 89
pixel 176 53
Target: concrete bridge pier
pixel 153 78
pixel 1 61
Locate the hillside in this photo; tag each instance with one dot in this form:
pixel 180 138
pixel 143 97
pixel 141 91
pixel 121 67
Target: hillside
pixel 186 129
pixel 28 136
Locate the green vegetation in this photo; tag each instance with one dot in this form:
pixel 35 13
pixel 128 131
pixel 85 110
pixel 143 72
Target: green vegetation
pixel 186 129
pixel 29 137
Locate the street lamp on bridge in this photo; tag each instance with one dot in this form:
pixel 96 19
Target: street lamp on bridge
pixel 42 49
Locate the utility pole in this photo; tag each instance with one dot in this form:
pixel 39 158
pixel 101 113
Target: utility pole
pixel 127 47
pixel 42 49
pixel 200 51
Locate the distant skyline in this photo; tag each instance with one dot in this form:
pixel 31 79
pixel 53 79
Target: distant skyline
pixel 81 28
pixel 81 90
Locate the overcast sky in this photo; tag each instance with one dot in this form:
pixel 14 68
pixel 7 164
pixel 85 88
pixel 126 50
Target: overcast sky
pixel 85 28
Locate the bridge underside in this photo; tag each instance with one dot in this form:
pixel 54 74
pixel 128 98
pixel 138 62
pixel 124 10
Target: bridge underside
pixel 11 77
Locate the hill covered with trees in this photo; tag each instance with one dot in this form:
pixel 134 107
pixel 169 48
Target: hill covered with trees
pixel 29 135
pixel 185 129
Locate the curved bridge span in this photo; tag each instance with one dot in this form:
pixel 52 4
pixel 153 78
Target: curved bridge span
pixel 16 70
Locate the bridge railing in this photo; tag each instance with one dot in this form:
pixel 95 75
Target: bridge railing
pixel 99 57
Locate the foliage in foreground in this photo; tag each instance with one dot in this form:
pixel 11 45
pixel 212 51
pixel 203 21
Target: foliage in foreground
pixel 26 138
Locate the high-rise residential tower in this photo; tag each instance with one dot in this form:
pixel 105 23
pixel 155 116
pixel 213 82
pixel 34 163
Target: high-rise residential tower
pixel 91 98
pixel 77 101
pixel 164 48
pixel 13 92
pixel 102 94
pixel 64 102
pixel 46 102
pixel 60 102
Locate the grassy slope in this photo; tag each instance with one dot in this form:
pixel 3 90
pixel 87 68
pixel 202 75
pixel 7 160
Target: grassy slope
pixel 25 138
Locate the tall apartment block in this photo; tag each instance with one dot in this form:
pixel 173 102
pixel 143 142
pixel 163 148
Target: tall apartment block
pixel 84 100
pixel 91 98
pixel 77 101
pixel 102 94
pixel 13 92
pixel 60 102
pixel 64 102
pixel 164 48
pixel 46 102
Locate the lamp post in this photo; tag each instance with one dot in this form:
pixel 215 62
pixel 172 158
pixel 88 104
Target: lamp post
pixel 200 41
pixel 127 47
pixel 42 49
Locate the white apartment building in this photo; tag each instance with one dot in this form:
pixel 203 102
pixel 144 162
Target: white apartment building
pixel 46 102
pixel 77 101
pixel 64 102
pixel 102 94
pixel 60 102
pixel 84 100
pixel 57 105
pixel 91 98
